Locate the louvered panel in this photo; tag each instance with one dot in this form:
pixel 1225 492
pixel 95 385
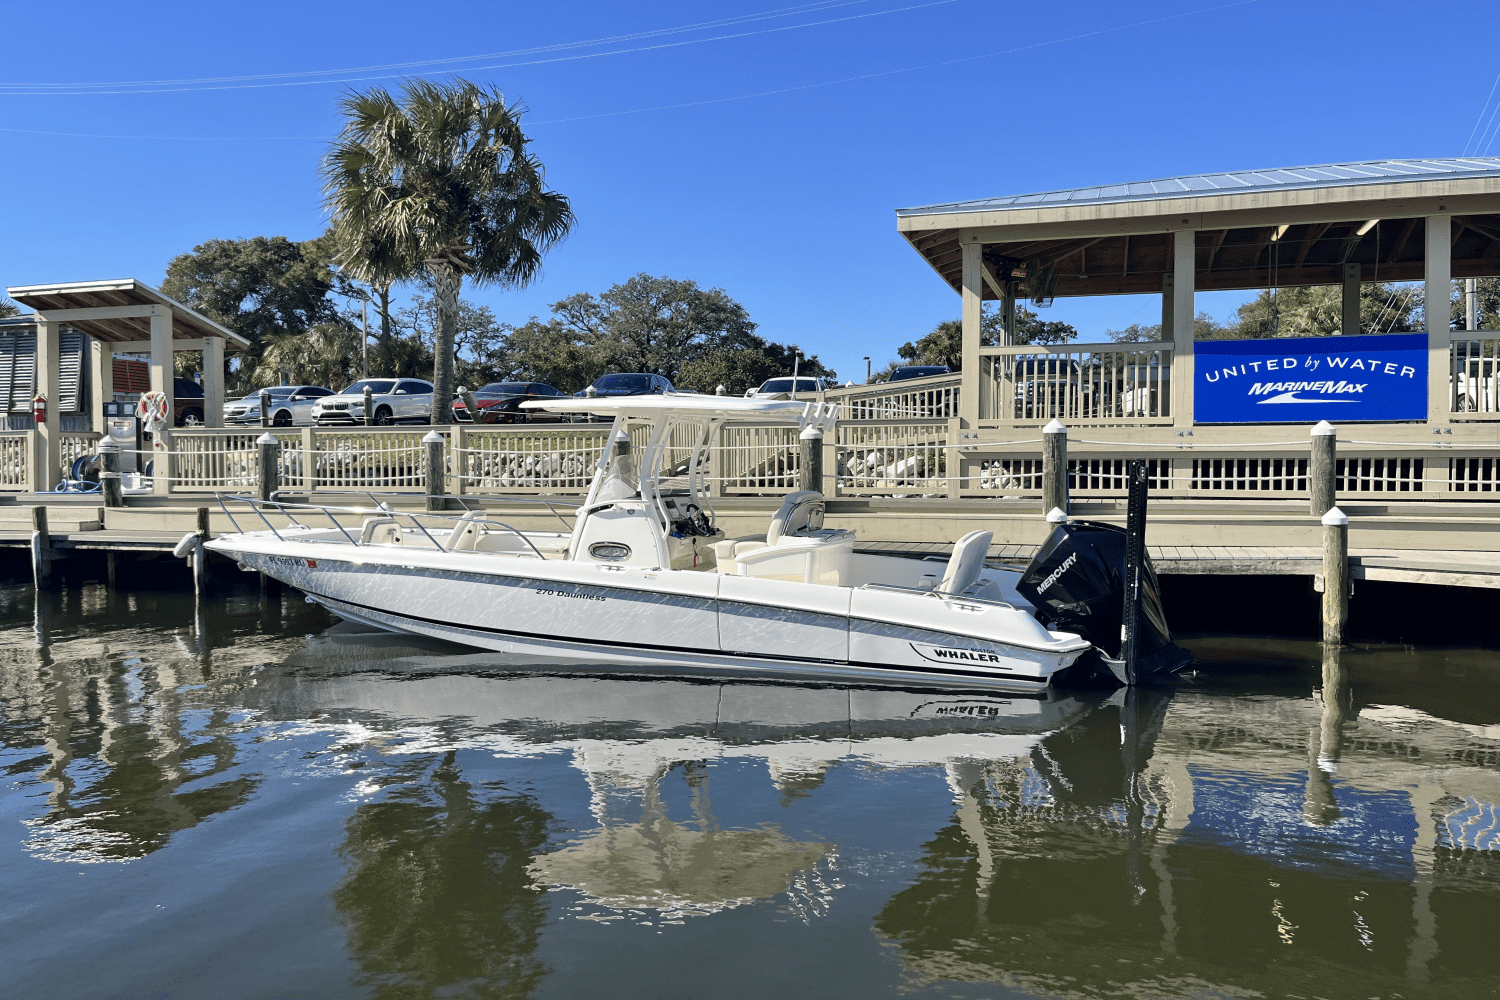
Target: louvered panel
pixel 69 371
pixel 7 367
pixel 23 372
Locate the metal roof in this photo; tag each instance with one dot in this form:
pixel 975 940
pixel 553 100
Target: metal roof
pixel 1233 182
pixel 186 323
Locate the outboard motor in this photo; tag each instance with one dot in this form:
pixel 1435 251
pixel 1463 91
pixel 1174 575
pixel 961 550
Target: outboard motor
pixel 1077 582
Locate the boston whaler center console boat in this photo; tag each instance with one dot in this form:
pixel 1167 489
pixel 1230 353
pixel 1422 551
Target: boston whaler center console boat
pixel 646 580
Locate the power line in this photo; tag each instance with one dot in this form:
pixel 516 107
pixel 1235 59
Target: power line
pixel 609 40
pixel 28 90
pixel 1481 117
pixel 695 104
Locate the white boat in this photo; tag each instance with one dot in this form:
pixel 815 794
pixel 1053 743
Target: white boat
pixel 645 580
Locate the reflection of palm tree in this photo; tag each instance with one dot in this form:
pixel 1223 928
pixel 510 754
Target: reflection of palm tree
pixel 438 899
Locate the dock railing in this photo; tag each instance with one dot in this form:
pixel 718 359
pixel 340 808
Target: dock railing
pixel 1113 384
pixel 1474 375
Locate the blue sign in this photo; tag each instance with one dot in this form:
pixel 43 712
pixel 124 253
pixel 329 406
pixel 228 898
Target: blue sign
pixel 1306 379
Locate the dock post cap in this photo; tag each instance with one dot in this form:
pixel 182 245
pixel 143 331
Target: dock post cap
pixel 621 435
pixel 1055 427
pixel 1335 517
pixel 1323 429
pixel 812 432
pixel 432 437
pixel 1057 516
pixel 266 438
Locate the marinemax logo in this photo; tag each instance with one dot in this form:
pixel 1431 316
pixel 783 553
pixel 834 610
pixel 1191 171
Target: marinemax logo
pixel 1053 576
pixel 1311 378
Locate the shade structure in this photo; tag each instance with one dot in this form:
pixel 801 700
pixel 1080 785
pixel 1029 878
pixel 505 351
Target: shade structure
pixel 117 311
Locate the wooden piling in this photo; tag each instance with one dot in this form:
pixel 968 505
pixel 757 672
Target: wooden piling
pixel 810 461
pixel 200 555
pixel 1054 467
pixel 109 569
pixel 41 548
pixel 437 471
pixel 270 465
pixel 265 409
pixel 1135 561
pixel 1335 576
pixel 369 407
pixel 109 472
pixel 1322 467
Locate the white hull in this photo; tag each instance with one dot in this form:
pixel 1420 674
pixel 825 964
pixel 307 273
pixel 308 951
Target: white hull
pixel 665 621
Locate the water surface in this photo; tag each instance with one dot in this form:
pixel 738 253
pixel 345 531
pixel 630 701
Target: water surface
pixel 248 799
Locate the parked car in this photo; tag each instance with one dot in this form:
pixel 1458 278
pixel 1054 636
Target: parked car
pixel 919 371
pixel 781 388
pixel 622 384
pixel 499 403
pixel 394 400
pixel 291 406
pixel 132 377
pixel 187 403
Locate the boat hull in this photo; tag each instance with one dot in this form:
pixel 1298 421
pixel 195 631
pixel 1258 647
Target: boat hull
pixel 560 613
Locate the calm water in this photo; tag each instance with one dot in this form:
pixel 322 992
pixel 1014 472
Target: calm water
pixel 251 800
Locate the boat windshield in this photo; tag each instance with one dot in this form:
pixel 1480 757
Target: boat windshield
pixel 375 385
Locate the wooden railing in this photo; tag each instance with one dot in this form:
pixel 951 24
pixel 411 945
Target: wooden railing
pixel 913 399
pixel 1114 384
pixel 15 460
pixel 1474 375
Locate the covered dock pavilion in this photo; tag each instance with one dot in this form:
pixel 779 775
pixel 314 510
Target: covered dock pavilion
pixel 114 312
pixel 1429 220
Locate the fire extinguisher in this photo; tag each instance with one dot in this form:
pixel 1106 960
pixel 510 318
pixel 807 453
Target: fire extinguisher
pixel 39 410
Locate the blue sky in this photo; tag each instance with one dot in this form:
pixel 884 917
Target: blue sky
pixel 783 199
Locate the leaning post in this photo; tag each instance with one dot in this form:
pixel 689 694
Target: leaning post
pixel 1054 466
pixel 811 460
pixel 270 465
pixel 1335 576
pixel 1321 469
pixel 437 472
pixel 109 472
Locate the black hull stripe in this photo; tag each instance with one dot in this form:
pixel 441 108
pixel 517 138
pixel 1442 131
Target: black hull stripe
pixel 691 650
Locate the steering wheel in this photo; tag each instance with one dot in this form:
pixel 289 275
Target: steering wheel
pixel 698 519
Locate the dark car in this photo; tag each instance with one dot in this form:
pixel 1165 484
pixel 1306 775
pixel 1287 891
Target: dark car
pixel 187 403
pixel 623 384
pixel 919 371
pixel 500 402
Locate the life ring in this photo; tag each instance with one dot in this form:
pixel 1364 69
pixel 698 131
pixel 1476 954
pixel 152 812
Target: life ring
pixel 152 409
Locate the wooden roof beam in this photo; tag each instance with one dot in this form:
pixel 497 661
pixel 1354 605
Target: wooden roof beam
pixel 1215 241
pixel 1400 244
pixel 1309 240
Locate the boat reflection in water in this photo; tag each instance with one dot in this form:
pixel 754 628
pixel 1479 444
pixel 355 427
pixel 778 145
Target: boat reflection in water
pixel 627 736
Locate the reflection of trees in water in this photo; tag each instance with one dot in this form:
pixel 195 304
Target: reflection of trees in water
pixel 438 900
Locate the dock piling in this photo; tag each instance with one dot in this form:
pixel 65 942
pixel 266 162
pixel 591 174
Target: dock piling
pixel 1335 576
pixel 1321 470
pixel 41 548
pixel 1135 559
pixel 369 407
pixel 270 465
pixel 109 472
pixel 437 471
pixel 1054 466
pixel 265 409
pixel 200 555
pixel 811 459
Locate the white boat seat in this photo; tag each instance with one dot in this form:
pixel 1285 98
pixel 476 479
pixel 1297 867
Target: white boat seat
pixel 966 562
pixel 800 513
pixel 380 531
pixel 466 532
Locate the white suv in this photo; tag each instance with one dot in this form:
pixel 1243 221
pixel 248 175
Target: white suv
pixel 781 388
pixel 291 406
pixel 394 401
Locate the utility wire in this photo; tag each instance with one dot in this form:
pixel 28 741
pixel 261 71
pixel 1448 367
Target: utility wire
pixel 153 89
pixel 1482 110
pixel 561 46
pixel 688 104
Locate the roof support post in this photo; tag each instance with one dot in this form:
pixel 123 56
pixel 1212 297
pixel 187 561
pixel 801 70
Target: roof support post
pixel 973 294
pixel 46 470
pixel 101 381
pixel 1008 315
pixel 1184 261
pixel 1439 263
pixel 161 381
pixel 1350 325
pixel 213 382
pixel 1168 304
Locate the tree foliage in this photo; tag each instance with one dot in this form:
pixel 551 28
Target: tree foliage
pixel 944 345
pixel 8 308
pixel 440 181
pixel 481 353
pixel 261 288
pixel 1306 311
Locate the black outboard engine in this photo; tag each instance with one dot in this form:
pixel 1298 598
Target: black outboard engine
pixel 1077 582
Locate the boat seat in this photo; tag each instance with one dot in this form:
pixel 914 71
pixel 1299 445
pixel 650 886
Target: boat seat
pixel 380 531
pixel 799 513
pixel 466 532
pixel 966 562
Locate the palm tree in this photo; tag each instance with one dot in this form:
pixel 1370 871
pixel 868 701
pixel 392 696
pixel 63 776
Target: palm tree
pixel 439 182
